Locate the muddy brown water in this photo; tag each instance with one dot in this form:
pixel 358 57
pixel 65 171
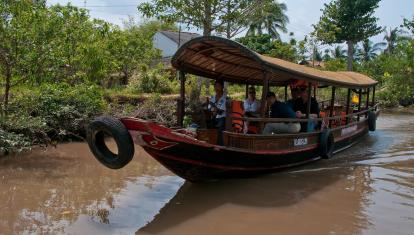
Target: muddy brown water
pixel 368 189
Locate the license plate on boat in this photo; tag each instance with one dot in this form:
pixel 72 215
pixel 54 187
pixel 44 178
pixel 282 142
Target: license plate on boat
pixel 300 142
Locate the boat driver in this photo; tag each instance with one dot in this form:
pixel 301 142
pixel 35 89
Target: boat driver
pixel 280 110
pixel 217 106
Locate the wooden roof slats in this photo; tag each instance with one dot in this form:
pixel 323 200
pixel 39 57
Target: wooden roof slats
pixel 216 57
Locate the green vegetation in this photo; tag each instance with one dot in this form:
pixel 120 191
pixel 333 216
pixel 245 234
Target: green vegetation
pixel 57 65
pixel 348 21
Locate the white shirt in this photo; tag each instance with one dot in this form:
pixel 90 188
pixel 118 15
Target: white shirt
pixel 251 106
pixel 220 104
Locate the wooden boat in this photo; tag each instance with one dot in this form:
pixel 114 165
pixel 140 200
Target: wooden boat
pixel 197 157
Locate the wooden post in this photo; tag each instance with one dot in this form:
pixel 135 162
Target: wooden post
pixel 367 103
pixel 181 101
pixel 331 111
pixel 286 95
pixel 247 91
pixel 308 109
pixel 359 102
pixel 314 92
pixel 265 90
pixel 348 102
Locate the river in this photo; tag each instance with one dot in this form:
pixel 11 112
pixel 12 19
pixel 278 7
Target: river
pixel 368 189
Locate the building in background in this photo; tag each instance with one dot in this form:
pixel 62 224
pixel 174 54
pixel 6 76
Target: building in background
pixel 169 42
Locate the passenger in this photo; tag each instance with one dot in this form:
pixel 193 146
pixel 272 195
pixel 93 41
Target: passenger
pixel 251 107
pixel 280 110
pixel 301 106
pixel 217 106
pixel 295 94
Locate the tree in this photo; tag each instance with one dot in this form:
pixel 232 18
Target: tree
pixel 17 41
pixel 263 44
pixel 270 17
pixel 409 24
pixel 391 37
pixel 326 55
pixel 338 52
pixel 235 16
pixel 210 15
pixel 132 47
pixel 369 50
pixel 349 21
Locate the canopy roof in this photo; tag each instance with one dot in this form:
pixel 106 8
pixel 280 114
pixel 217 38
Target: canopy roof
pixel 220 58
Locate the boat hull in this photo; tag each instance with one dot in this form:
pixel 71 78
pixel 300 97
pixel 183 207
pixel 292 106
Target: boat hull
pixel 199 161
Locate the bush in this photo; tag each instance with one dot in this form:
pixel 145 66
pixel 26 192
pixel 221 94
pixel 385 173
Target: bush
pixel 55 111
pixel 12 142
pixel 155 80
pixel 159 110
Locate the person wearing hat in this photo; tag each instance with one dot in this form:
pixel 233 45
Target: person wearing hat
pixel 217 106
pixel 280 110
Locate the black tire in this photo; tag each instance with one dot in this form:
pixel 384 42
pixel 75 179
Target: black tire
pixel 372 121
pixel 327 144
pixel 109 126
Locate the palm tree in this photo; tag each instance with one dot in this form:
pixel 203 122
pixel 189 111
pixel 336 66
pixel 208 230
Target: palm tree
pixel 270 17
pixel 338 53
pixel 369 50
pixel 391 37
pixel 326 56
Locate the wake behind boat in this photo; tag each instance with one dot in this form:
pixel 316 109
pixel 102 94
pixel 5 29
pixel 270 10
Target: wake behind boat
pixel 245 150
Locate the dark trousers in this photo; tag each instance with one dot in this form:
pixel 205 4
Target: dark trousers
pixel 220 124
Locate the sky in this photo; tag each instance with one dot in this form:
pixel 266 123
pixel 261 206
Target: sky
pixel 302 13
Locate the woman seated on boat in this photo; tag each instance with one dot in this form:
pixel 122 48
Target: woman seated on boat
pixel 301 106
pixel 217 106
pixel 251 105
pixel 251 108
pixel 280 110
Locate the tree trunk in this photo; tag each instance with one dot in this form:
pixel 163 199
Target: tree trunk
pixel 7 89
pixel 208 22
pixel 350 55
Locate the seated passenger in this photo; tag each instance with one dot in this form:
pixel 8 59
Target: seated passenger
pixel 217 105
pixel 295 94
pixel 280 110
pixel 251 106
pixel 301 106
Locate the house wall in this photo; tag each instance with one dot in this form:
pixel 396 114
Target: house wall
pixel 166 45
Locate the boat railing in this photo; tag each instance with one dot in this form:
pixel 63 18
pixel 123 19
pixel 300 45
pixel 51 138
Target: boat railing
pixel 340 118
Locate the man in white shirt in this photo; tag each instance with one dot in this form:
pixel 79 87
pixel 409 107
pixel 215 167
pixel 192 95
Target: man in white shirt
pixel 217 106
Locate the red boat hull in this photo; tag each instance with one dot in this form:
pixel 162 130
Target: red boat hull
pixel 196 160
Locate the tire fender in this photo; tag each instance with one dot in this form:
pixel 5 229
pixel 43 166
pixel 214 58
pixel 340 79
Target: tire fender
pixel 103 126
pixel 372 121
pixel 327 144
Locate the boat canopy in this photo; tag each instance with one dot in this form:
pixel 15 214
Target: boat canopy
pixel 219 58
